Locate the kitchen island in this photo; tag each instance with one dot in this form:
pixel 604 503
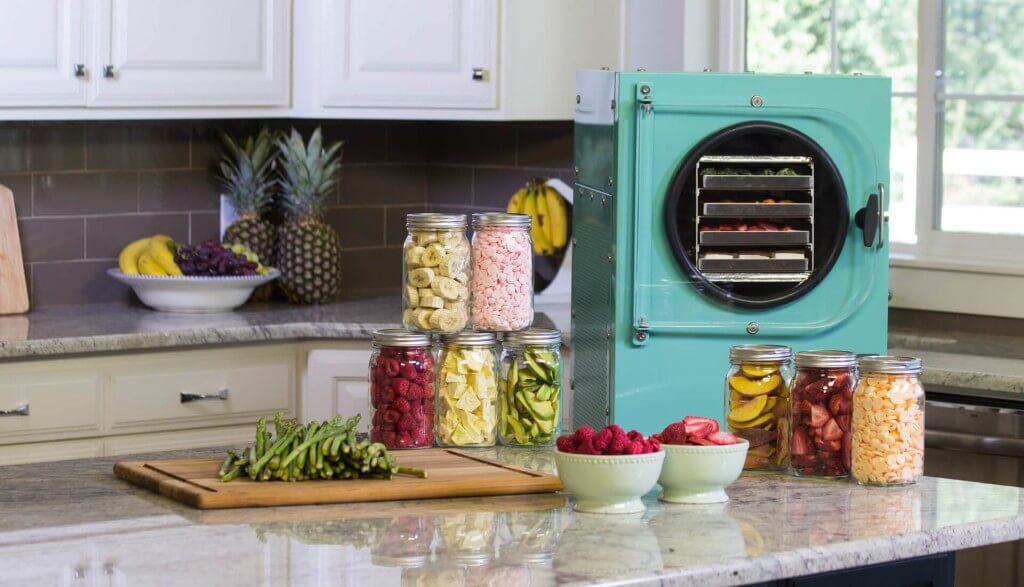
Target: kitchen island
pixel 74 521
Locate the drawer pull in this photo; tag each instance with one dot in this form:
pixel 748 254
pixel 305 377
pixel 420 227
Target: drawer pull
pixel 187 397
pixel 21 410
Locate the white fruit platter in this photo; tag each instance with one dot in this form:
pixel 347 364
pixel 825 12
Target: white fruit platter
pixel 193 295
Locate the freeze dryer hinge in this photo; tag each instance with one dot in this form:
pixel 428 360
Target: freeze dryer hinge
pixel 644 95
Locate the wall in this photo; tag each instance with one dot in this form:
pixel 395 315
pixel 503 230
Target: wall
pixel 83 190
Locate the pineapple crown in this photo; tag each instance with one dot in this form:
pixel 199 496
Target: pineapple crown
pixel 247 172
pixel 308 173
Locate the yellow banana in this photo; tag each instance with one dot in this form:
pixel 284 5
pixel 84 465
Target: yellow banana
pixel 161 249
pixel 149 266
pixel 558 217
pixel 540 244
pixel 515 203
pixel 128 260
pixel 544 219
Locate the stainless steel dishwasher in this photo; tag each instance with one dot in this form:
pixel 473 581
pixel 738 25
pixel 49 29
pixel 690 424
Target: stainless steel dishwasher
pixel 978 436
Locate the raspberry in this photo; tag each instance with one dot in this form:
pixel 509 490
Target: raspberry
pixel 635 435
pixel 385 425
pixel 402 405
pixel 636 447
pixel 378 417
pixel 408 371
pixel 565 444
pixel 424 379
pixel 584 432
pixel 422 437
pixel 619 445
pixel 418 412
pixel 586 447
pixel 602 440
pixel 389 438
pixel 401 387
pixel 653 445
pixel 404 440
pixel 616 429
pixel 390 366
pixel 387 395
pixel 407 423
pixel 415 392
pixel 391 416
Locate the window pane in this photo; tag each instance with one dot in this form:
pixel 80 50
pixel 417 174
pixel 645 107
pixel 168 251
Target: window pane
pixel 878 37
pixel 789 36
pixel 984 46
pixel 983 167
pixel 903 171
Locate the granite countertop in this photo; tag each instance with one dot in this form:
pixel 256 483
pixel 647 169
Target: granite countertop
pixel 75 519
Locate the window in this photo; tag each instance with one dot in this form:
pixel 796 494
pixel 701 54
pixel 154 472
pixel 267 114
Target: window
pixel 957 157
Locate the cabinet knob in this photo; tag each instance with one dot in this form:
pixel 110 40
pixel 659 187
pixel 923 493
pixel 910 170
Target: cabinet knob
pixel 21 410
pixel 79 69
pixel 479 74
pixel 108 71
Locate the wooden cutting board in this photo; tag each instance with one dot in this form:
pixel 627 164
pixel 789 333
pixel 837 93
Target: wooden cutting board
pixel 450 473
pixel 13 289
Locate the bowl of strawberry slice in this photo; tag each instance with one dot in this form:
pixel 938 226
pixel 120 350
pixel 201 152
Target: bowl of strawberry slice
pixel 700 461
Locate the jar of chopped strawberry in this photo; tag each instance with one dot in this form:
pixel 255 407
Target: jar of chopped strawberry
pixel 757 402
pixel 821 441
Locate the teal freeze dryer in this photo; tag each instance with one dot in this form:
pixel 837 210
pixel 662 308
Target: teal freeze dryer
pixel 715 209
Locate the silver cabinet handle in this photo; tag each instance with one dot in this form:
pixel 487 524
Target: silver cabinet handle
pixel 479 74
pixel 21 410
pixel 187 397
pixel 79 70
pixel 108 71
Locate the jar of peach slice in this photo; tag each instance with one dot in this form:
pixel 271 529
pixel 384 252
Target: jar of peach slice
pixel 888 421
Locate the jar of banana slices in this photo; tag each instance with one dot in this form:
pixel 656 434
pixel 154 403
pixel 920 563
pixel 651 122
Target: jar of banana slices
pixel 435 273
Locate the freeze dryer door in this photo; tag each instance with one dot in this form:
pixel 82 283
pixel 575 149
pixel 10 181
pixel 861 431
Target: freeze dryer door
pixel 762 220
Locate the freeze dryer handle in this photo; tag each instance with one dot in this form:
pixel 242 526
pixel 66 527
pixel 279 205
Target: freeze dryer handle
pixel 868 220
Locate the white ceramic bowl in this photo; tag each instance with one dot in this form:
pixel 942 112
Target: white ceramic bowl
pixel 193 295
pixel 610 484
pixel 700 474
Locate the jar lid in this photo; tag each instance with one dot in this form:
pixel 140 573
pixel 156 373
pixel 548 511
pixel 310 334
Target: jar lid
pixel 434 220
pixel 501 219
pixel 759 352
pixel 890 364
pixel 469 337
pixel 533 336
pixel 399 337
pixel 826 359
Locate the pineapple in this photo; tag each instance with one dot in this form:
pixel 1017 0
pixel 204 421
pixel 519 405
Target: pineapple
pixel 247 180
pixel 308 252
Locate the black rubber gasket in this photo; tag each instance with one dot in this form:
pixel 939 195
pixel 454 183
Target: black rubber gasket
pixel 831 210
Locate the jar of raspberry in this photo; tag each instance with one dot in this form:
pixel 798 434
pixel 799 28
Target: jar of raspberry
pixel 757 402
pixel 402 389
pixel 501 287
pixel 530 388
pixel 821 443
pixel 435 273
pixel 467 390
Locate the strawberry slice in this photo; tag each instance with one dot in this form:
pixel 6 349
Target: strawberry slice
pixel 835 404
pixel 832 430
pixel 819 415
pixel 702 442
pixel 834 445
pixel 699 426
pixel 722 438
pixel 800 444
pixel 844 422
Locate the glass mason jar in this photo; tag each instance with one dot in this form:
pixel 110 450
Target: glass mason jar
pixel 467 390
pixel 402 389
pixel 757 402
pixel 530 388
pixel 467 538
pixel 888 422
pixel 502 276
pixel 435 273
pixel 820 412
pixel 407 543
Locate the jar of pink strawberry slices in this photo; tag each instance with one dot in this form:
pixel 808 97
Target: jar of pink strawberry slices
pixel 501 280
pixel 402 389
pixel 821 443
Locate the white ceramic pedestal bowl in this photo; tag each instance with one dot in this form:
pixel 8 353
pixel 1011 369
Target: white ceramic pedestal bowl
pixel 611 484
pixel 700 474
pixel 193 295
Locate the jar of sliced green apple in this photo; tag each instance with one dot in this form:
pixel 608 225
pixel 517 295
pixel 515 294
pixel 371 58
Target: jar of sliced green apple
pixel 530 388
pixel 467 390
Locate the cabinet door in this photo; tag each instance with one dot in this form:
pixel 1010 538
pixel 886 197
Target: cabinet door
pixel 337 382
pixel 191 53
pixel 41 41
pixel 394 53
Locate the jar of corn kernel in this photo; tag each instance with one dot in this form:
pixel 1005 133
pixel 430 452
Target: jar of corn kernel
pixel 435 273
pixel 502 278
pixel 888 421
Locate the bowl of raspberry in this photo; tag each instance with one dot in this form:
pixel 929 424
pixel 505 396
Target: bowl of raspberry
pixel 700 461
pixel 608 471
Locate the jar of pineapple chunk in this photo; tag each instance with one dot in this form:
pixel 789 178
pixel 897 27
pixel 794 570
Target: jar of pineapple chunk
pixel 435 273
pixel 466 409
pixel 757 402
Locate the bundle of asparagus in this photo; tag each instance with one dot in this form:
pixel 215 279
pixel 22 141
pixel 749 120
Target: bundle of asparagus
pixel 318 450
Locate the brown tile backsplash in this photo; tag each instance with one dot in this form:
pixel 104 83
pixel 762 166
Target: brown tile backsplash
pixel 85 189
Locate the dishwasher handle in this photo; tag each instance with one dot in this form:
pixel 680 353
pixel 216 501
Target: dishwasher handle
pixel 973 443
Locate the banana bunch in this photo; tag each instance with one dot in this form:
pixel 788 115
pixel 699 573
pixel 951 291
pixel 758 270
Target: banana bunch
pixel 547 207
pixel 153 255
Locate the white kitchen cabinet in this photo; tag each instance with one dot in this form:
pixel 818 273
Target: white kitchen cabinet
pixel 191 53
pixel 450 59
pixel 41 44
pixel 336 382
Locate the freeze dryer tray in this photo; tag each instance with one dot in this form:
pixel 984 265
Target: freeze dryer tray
pixel 751 210
pixel 757 182
pixel 754 238
pixel 753 265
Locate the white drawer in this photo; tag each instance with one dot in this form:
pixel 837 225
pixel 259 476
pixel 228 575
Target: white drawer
pixel 237 436
pixel 48 403
pixel 41 452
pixel 146 393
